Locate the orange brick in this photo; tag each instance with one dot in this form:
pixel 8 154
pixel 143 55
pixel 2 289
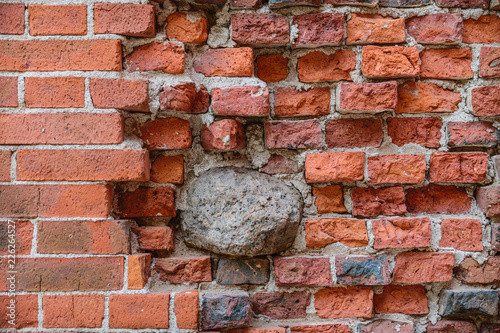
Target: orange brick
pixel 167 133
pixel 396 169
pixel 8 94
pixel 139 270
pixel 5 157
pixel 402 233
pixel 165 56
pixel 321 232
pixel 335 167
pixel 186 308
pixel 462 234
pixel 318 66
pixel 24 311
pixel 127 19
pixel 272 68
pixel 24 237
pixel 423 267
pixel 187 27
pixel 73 311
pixel 54 92
pixel 11 18
pixel 329 199
pixel 147 202
pixel 130 95
pixel 168 169
pixel 139 310
pixel 49 20
pixel 458 167
pixel 344 302
pixel 226 62
pixel 447 64
pixel 483 30
pixel 410 300
pixel 390 62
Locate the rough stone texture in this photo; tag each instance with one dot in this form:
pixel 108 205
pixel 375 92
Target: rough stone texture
pixel 180 26
pixel 344 302
pixel 165 56
pixel 479 133
pixel 410 300
pixel 436 28
pixel 375 29
pixel 155 238
pixel 386 326
pixel 390 62
pixel 462 234
pixel 463 3
pixel 184 270
pixel 438 199
pixel 168 169
pixel 485 100
pixel 280 305
pixel 246 101
pixel 130 95
pixel 373 202
pixel 323 29
pixel 445 326
pixel 367 97
pixel 470 271
pixel 352 133
pixel 185 98
pixel 483 30
pixel 139 270
pixel 260 29
pixel 186 309
pixel 226 134
pixel 458 167
pixel 293 135
pixel 207 223
pixel 302 272
pixel 318 66
pixel 329 199
pixel 415 97
pixel 423 131
pixel 8 94
pixel 489 62
pixel 366 271
pixel 423 267
pixel 226 62
pixel 12 18
pixel 321 232
pixel 471 302
pixel 139 310
pixel 447 64
pixel 124 19
pixel 278 164
pixel 290 102
pixel 49 20
pixel 402 233
pixel 244 271
pixel 400 169
pixel 330 328
pixel 272 68
pixel 166 133
pixel 335 167
pixel 404 3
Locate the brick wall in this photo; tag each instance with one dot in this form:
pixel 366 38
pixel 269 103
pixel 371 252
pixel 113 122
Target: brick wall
pixel 383 113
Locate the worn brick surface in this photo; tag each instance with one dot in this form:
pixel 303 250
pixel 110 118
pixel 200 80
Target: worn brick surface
pixel 402 299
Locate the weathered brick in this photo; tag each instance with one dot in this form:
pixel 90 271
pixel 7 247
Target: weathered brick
pixel 436 28
pixel 410 300
pixel 272 67
pixel 404 3
pixel 260 29
pixel 185 98
pixel 334 167
pixel 259 330
pixel 353 133
pixel 489 62
pixel 168 169
pixel 443 326
pixel 423 267
pixel 321 232
pixel 278 164
pixel 378 201
pixel 471 302
pixel 243 271
pixel 130 95
pixel 225 311
pixel 470 271
pixel 458 167
pixel 23 237
pixel 290 102
pixel 483 30
pixel 495 237
pixel 329 328
pixel 489 328
pixel 416 97
pixel 302 271
pixel 462 234
pixel 485 101
pixel 463 3
pixel 400 169
pixel 225 134
pixel 24 311
pixel 402 233
pixel 154 238
pixel 8 94
pixel 11 18
pixel 54 92
pixel 280 305
pixel 319 29
pixel 189 27
pixel 167 133
pixel 447 64
pixel 375 29
pixel 124 19
pixel 367 271
pixel 293 135
pixel 344 302
pixel 226 62
pixel 390 62
pixel 46 55
pixel 481 134
pixel 290 3
pixel 139 310
pixel 186 309
pixel 438 199
pixel 423 131
pixel 147 202
pixel 83 164
pixel 184 270
pixel 139 270
pixel 494 5
pixel 245 101
pixel 49 20
pixel 362 3
pixel 61 311
pixel 386 326
pixel 165 56
pixel 367 97
pixel 5 158
pixel 244 4
pixel 329 199
pixel 317 66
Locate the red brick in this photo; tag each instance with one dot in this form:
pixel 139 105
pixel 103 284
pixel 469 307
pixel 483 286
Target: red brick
pixel 402 233
pixel 23 237
pixel 54 92
pixel 165 56
pixel 11 18
pixel 139 270
pixel 436 28
pixel 189 27
pixel 139 310
pixel 154 238
pixel 422 131
pixel 244 101
pixel 302 271
pixel 61 128
pixel 85 237
pixel 438 199
pixel 278 164
pixel 61 311
pixel 186 309
pixel 319 29
pixel 378 201
pixel 293 135
pixel 447 64
pixel 124 19
pixel 410 300
pixel 281 305
pixel 259 330
pixel 168 169
pixel 272 68
pixel 458 167
pixel 285 3
pixel 66 274
pixel 483 30
pixel 330 328
pixel 226 62
pixel 396 169
pixel 24 310
pixel 130 95
pixel 463 3
pixel 83 164
pixel 367 97
pixel 53 20
pixel 416 97
pixel 167 133
pixel 362 3
pixel 8 94
pixel 390 62
pixel 386 325
pixel 290 102
pixel 317 66
pixel 353 133
pixel 225 134
pixel 470 271
pixel 334 167
pixel 185 98
pixel 244 4
pixel 46 55
pixel 495 237
pixel 147 202
pixel 423 267
pixel 321 232
pixel 485 101
pixel 5 157
pixel 184 270
pixel 260 29
pixel 344 302
pixel 375 29
pixel 462 234
pixel 489 62
pixel 329 199
pixel 444 326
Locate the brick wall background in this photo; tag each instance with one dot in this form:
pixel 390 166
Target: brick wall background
pixel 383 113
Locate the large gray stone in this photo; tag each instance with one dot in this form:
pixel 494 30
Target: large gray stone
pixel 240 212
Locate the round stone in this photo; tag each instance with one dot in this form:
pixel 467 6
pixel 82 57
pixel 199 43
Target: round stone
pixel 240 212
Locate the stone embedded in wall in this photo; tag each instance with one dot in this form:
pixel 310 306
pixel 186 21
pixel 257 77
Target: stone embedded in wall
pixel 240 212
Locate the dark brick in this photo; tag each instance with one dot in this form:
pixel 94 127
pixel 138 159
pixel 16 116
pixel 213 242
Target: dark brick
pixel 367 271
pixel 289 3
pixel 404 3
pixel 476 302
pixel 301 271
pixel 250 271
pixel 278 305
pixel 225 311
pixel 490 328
